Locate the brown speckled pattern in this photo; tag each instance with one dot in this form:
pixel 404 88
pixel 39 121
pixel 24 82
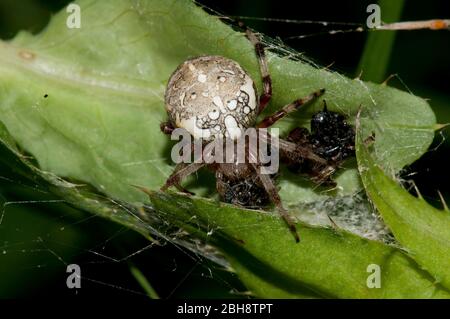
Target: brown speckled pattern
pixel 210 97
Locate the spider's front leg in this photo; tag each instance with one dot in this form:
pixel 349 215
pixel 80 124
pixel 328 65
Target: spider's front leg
pixel 180 170
pixel 263 67
pixel 298 154
pixel 167 128
pixel 291 107
pixel 267 83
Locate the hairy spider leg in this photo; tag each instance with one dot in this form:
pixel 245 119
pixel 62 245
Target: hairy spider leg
pixel 272 191
pixel 263 67
pixel 180 173
pixel 291 107
pixel 166 128
pixel 177 184
pixel 296 150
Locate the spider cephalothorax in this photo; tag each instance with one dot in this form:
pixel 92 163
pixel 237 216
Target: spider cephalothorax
pixel 213 98
pixel 246 192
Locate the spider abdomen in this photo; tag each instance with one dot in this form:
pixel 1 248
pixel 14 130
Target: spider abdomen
pixel 211 97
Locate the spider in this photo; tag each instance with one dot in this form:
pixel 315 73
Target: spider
pixel 214 98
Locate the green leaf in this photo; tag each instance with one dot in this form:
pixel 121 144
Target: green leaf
pixel 422 229
pixel 105 84
pixel 258 245
pixel 326 263
pixel 143 282
pixel 81 196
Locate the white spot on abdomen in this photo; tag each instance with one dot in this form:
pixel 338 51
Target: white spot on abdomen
pixel 201 78
pixel 190 126
pixel 218 102
pixel 250 90
pixel 183 95
pixel 234 132
pixel 229 72
pixel 214 115
pixel 232 104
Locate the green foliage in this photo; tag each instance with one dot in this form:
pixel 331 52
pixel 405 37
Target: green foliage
pixel 422 229
pixel 326 263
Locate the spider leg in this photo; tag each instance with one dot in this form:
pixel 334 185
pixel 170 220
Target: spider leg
pixel 177 184
pixel 299 135
pixel 166 128
pixel 263 67
pixel 324 175
pixel 180 173
pixel 272 191
pixel 291 107
pixel 295 152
